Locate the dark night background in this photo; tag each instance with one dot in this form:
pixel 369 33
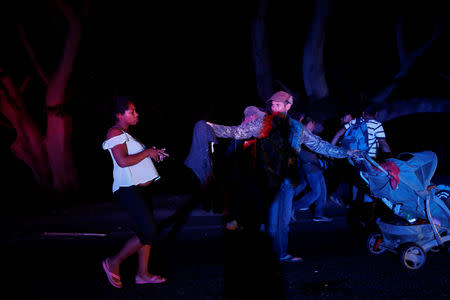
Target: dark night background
pixel 191 60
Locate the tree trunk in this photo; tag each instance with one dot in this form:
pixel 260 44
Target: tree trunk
pixel 313 71
pixel 261 60
pixel 59 122
pixel 49 157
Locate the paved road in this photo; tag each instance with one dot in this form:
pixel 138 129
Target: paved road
pixel 202 261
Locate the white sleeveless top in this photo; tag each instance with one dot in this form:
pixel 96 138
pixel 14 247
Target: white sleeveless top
pixel 141 172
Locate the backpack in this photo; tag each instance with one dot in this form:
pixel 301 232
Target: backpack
pixel 356 136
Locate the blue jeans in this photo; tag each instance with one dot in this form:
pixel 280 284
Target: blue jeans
pixel 279 217
pixel 317 194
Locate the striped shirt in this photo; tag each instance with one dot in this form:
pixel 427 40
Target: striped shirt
pixel 375 132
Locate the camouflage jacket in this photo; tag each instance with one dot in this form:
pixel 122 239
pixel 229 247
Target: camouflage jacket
pixel 298 136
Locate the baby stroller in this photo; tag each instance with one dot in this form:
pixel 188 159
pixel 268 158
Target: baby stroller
pixel 420 222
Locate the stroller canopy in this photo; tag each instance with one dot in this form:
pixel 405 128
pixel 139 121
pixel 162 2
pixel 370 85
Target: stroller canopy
pixel 416 169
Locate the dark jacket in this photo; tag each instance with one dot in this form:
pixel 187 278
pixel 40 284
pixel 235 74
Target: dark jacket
pixel 199 158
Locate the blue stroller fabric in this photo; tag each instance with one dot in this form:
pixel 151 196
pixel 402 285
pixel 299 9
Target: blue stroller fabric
pixel 409 197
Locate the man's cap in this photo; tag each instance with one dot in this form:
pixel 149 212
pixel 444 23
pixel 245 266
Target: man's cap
pixel 253 111
pixel 281 96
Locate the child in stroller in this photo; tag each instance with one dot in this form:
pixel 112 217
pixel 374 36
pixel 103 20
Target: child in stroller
pixel 404 186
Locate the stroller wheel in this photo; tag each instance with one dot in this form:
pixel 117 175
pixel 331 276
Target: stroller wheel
pixel 435 249
pixel 374 243
pixel 412 256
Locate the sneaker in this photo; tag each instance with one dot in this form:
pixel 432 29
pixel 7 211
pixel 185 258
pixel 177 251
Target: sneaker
pixel 290 258
pixel 293 217
pixel 232 225
pixel 322 219
pixel 336 201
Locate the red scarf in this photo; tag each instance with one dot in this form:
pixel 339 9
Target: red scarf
pixel 393 171
pixel 267 127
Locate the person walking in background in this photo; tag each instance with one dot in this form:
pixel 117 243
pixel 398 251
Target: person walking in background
pixel 133 170
pixel 346 118
pixel 340 174
pixel 279 139
pixel 369 137
pixel 312 170
pixel 376 137
pixel 245 198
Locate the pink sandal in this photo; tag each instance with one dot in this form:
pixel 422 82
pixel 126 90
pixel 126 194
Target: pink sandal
pixel 153 279
pixel 112 278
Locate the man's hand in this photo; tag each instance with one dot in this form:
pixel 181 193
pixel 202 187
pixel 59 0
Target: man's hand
pixel 353 152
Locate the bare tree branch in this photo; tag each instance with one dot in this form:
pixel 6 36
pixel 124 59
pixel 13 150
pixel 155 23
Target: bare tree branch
pixel 12 94
pixel 32 54
pixel 58 81
pixel 405 107
pixel 408 61
pixel 414 55
pixel 6 125
pixel 24 84
pixel 444 76
pixel 28 145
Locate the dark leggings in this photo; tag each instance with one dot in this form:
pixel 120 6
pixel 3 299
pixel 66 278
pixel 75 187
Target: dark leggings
pixel 132 199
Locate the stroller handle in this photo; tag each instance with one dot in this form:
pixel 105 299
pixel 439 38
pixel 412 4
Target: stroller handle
pixel 362 160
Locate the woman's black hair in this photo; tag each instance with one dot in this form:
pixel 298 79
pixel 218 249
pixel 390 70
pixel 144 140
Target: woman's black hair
pixel 120 105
